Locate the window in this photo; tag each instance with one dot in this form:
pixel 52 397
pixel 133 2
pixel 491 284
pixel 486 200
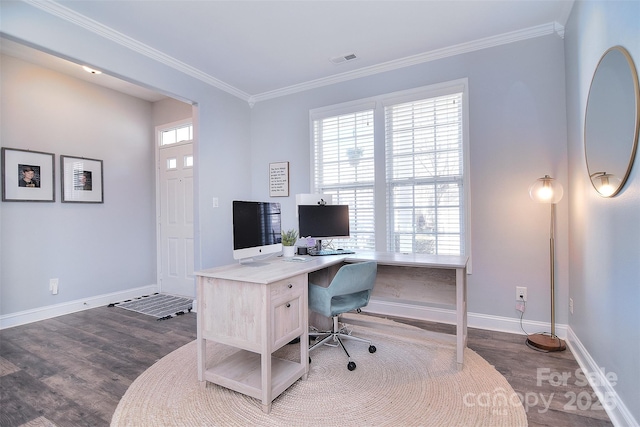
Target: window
pixel 424 175
pixel 187 161
pixel 175 135
pixel 344 168
pixel 419 182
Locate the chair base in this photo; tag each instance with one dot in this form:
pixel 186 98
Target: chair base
pixel 336 335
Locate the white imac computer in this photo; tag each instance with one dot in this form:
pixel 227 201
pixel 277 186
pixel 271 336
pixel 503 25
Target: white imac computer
pixel 257 229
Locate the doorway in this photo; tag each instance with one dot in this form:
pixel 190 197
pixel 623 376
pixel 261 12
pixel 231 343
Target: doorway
pixel 175 209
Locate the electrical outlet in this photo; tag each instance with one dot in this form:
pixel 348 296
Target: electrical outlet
pixel 53 286
pixel 571 305
pixel 521 293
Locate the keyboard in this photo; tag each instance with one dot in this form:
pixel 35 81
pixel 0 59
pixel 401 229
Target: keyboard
pixel 325 252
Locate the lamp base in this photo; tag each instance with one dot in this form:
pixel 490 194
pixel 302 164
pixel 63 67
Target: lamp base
pixel 546 342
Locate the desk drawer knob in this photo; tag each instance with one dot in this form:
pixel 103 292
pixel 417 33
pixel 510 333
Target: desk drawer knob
pixel 290 286
pixel 288 305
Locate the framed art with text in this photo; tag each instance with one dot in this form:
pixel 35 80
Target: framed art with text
pixel 27 176
pixel 82 180
pixel 279 179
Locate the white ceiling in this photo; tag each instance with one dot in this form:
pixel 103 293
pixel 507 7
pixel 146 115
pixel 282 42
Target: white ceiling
pixel 262 49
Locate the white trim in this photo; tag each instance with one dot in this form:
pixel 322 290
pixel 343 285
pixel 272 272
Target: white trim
pixel 342 108
pixel 448 316
pixel 102 30
pixel 618 412
pixel 47 312
pixel 108 33
pixel 158 147
pixel 377 103
pixel 487 42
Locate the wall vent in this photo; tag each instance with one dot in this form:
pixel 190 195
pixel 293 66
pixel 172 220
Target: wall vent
pixel 343 58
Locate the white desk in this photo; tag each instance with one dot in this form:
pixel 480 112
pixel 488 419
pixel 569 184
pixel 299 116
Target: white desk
pixel 444 295
pixel 260 307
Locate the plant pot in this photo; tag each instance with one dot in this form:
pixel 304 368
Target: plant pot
pixel 288 251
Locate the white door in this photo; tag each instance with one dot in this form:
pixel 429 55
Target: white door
pixel 175 222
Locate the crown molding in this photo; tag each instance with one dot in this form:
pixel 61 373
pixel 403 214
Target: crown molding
pixel 80 20
pixel 108 33
pixel 487 42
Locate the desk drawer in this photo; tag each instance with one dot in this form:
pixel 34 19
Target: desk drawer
pixel 287 310
pixel 288 287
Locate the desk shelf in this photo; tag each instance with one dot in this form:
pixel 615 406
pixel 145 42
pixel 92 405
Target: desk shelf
pixel 257 319
pixel 242 372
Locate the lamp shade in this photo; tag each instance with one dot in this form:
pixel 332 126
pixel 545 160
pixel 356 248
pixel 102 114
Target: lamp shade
pixel 546 190
pixel 605 183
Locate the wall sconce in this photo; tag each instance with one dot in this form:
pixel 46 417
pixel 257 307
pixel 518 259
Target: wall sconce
pixel 548 190
pixel 605 183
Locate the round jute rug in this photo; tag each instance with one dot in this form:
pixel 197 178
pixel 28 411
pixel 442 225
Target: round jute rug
pixel 412 380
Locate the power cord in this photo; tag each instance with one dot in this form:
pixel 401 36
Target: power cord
pixel 524 303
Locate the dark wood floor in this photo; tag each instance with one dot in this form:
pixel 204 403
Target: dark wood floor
pixel 72 370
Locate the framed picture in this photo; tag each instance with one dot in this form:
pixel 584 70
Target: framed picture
pixel 27 176
pixel 279 179
pixel 81 180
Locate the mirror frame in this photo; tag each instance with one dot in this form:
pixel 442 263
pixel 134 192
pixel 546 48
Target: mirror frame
pixel 604 175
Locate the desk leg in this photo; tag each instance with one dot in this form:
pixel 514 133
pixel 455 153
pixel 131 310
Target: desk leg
pixel 304 338
pixel 201 343
pixel 202 357
pixel 461 314
pixel 265 361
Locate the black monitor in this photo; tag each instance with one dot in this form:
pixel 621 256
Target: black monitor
pixel 323 221
pixel 256 229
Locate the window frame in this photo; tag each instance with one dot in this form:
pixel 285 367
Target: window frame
pixel 378 104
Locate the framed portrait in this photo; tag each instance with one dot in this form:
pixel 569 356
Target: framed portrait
pixel 279 179
pixel 27 176
pixel 82 180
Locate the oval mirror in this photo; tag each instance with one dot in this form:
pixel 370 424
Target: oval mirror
pixel 611 122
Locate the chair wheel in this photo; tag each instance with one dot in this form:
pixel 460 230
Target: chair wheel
pixel 372 349
pixel 351 366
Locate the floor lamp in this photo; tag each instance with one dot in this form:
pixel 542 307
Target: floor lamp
pixel 548 190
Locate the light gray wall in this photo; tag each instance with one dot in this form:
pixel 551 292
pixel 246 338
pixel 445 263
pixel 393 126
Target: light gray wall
pixel 221 163
pixel 93 249
pixel 170 110
pixel 517 134
pixel 605 233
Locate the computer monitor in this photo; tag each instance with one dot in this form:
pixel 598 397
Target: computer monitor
pixel 323 222
pixel 257 229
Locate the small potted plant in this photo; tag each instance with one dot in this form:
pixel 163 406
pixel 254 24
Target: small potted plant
pixel 289 239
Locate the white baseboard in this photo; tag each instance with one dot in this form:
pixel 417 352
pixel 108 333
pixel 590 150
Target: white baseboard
pixel 47 312
pixel 615 408
pixel 601 384
pixel 448 316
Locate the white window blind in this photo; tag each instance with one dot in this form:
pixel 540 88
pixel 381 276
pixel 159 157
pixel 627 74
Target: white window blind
pixel 414 197
pixel 424 168
pixel 343 148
